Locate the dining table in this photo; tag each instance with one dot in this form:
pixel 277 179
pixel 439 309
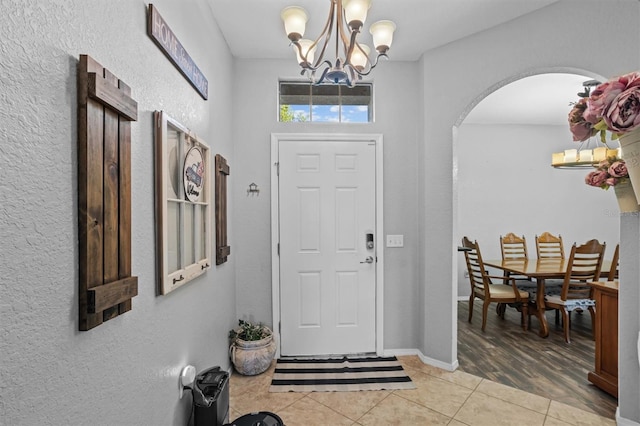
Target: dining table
pixel 538 270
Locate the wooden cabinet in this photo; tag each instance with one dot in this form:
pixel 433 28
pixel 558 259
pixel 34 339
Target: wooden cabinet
pixel 605 375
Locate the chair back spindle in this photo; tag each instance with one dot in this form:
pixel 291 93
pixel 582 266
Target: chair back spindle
pixel 475 267
pixel 549 246
pixel 513 247
pixel 583 266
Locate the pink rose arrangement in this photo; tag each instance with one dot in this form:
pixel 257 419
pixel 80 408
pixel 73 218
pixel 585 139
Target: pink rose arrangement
pixel 609 173
pixel 612 106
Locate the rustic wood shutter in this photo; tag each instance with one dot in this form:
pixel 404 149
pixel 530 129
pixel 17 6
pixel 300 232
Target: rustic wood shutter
pixel 105 110
pixel 222 247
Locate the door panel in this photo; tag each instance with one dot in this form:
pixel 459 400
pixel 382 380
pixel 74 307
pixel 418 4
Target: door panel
pixel 326 208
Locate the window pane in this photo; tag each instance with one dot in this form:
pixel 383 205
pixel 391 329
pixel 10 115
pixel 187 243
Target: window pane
pixel 295 113
pixel 173 236
pixel 189 249
pixel 355 114
pixel 204 210
pixel 174 166
pixel 325 113
pixel 326 102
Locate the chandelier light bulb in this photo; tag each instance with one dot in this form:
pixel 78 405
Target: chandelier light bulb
pixel 295 20
pixel 305 46
pixel 355 12
pixel 382 32
pixel 358 59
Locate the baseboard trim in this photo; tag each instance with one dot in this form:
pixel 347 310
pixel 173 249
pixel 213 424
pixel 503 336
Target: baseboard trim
pixel 425 359
pixel 621 421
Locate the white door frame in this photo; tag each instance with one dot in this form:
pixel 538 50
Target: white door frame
pixel 275 225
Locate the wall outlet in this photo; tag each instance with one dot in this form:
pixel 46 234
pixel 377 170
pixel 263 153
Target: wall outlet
pixel 395 240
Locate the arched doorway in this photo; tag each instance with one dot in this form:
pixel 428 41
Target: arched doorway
pixel 504 183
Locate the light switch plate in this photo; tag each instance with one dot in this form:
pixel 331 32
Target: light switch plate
pixel 395 240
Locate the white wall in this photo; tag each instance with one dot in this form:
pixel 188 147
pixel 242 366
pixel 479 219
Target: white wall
pixel 124 372
pixel 506 184
pixel 568 36
pixel 397 119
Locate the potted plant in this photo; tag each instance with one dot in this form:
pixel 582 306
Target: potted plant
pixel 251 348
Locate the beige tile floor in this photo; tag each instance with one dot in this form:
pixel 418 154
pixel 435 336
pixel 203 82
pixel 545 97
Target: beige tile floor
pixel 441 398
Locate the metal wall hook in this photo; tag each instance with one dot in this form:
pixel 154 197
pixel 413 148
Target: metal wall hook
pixel 253 189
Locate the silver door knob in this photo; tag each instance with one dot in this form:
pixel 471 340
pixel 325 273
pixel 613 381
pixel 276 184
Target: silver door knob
pixel 369 259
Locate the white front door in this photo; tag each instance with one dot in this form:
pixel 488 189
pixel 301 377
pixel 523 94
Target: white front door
pixel 327 216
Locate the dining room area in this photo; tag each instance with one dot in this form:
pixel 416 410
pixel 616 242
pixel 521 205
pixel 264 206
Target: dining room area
pixel 498 340
pixel 539 331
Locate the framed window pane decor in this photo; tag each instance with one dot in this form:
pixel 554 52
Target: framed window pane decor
pixel 183 204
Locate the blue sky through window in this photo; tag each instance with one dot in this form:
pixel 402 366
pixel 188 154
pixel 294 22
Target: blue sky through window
pixel 329 113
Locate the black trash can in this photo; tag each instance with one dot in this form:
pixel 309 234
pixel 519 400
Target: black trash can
pixel 211 397
pixel 261 418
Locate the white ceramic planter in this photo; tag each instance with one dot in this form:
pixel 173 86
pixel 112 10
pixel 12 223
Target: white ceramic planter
pixel 252 357
pixel 626 197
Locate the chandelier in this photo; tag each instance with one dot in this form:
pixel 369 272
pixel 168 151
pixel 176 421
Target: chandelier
pixel 584 156
pixel 345 21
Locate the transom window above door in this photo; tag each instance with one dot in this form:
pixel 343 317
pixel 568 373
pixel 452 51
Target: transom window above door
pixel 305 102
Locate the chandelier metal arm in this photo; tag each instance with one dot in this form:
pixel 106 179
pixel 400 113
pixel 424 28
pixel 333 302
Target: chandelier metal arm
pixel 372 65
pixel 326 34
pixel 306 66
pixel 341 24
pixel 352 45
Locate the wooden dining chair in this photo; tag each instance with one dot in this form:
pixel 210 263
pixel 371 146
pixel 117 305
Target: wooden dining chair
pixel 613 272
pixel 513 247
pixel 549 246
pixel 583 267
pixel 482 287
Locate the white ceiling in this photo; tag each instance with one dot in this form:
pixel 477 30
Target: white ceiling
pixel 253 30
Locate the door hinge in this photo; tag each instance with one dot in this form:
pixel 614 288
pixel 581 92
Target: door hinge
pixel 278 249
pixel 279 327
pixel 277 168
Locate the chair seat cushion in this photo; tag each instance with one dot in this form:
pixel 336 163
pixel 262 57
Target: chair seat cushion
pixel 501 291
pixel 570 304
pixel 528 286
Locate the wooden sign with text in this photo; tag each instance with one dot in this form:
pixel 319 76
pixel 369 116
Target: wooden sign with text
pixel 166 40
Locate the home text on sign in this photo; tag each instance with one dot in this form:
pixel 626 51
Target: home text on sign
pixel 162 35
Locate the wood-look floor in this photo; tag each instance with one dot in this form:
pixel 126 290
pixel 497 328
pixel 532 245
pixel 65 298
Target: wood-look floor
pixel 549 367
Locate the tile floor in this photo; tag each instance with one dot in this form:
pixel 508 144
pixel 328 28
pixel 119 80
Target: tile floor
pixel 441 398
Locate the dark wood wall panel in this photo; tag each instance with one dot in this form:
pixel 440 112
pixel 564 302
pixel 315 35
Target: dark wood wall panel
pixel 104 194
pixel 222 247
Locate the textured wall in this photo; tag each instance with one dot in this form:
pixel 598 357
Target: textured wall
pixel 125 371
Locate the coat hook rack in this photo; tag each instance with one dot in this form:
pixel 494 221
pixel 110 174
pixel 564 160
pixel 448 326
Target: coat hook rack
pixel 253 189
